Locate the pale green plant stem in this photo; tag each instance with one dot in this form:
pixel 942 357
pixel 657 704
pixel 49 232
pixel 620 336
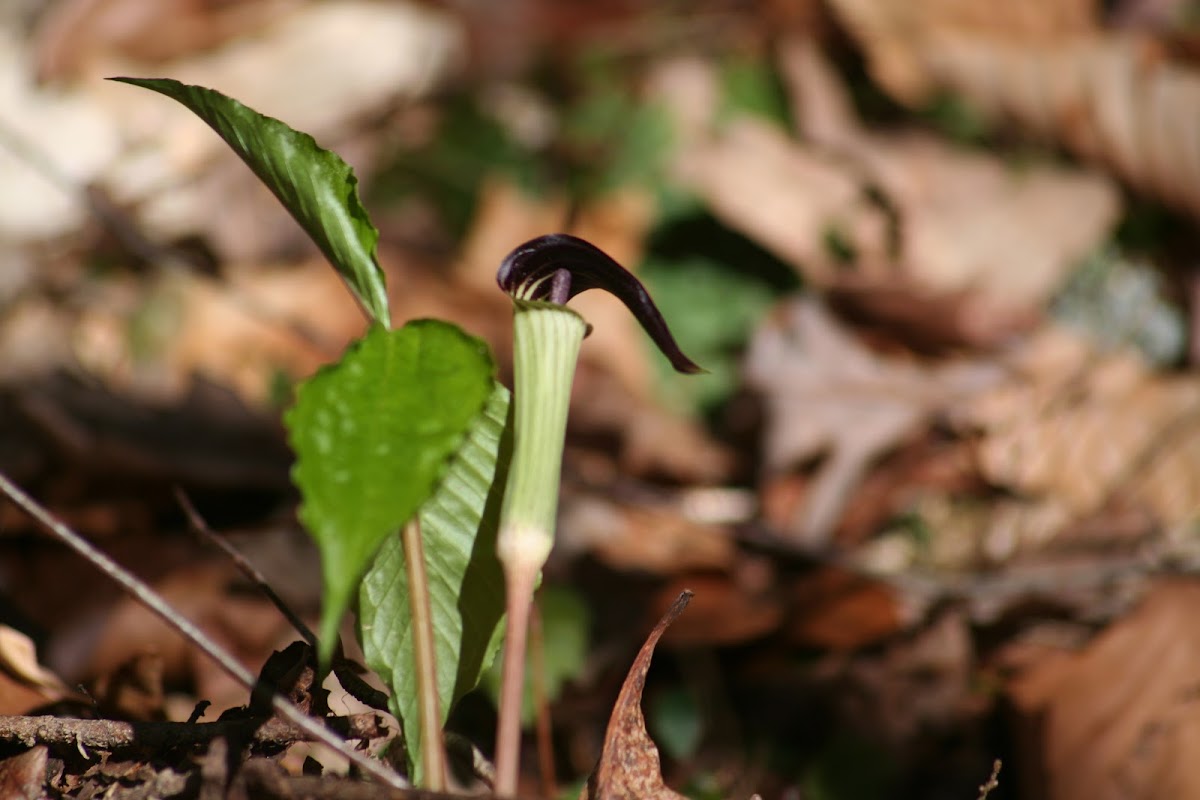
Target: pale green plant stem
pixel 546 342
pixel 433 754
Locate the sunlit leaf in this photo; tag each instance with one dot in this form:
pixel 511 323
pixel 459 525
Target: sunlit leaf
pixel 466 585
pixel 373 435
pixel 316 186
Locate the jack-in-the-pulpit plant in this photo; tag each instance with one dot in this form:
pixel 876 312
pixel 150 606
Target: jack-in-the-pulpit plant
pixel 403 446
pixel 541 276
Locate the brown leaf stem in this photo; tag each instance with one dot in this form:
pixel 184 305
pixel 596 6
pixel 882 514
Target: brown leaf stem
pixel 433 754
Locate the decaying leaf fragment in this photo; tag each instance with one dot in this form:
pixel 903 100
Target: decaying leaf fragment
pixel 829 395
pixel 1110 97
pixel 629 767
pixel 1118 719
pixel 971 227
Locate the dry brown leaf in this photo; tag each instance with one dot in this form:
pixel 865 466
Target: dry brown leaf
pixel 1074 427
pixel 246 626
pixel 1119 719
pixel 828 395
pixel 18 657
pixel 786 197
pixel 912 685
pixel 1114 98
pixel 353 59
pixel 968 222
pixel 843 611
pixel 1169 484
pixel 659 541
pixel 898 35
pixel 23 776
pixel 629 766
pixel 24 682
pixel 727 610
pixel 73 33
pixel 929 321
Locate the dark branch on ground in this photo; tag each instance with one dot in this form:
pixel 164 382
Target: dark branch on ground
pixel 114 736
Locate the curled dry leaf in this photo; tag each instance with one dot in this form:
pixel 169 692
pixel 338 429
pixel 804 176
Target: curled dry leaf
pixel 18 657
pixel 629 765
pixel 1114 98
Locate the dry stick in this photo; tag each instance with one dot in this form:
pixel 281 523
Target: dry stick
pixel 249 570
pixel 992 783
pixel 153 601
pixel 519 584
pixel 541 703
pixel 433 754
pixel 115 736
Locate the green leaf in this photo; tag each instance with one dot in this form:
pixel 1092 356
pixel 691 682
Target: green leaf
pixel 752 86
pixel 466 584
pixel 618 140
pixel 470 144
pixel 314 185
pixel 373 434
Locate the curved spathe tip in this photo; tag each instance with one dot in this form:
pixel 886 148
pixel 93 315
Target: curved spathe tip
pixel 558 266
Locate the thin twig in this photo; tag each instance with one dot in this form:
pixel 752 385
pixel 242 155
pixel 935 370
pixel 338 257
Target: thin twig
pixel 115 736
pixel 201 527
pixel 433 754
pixel 992 783
pixel 155 603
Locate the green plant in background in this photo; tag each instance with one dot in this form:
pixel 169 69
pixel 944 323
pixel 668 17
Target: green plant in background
pixel 750 85
pixel 447 171
pixel 402 446
pixel 712 309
